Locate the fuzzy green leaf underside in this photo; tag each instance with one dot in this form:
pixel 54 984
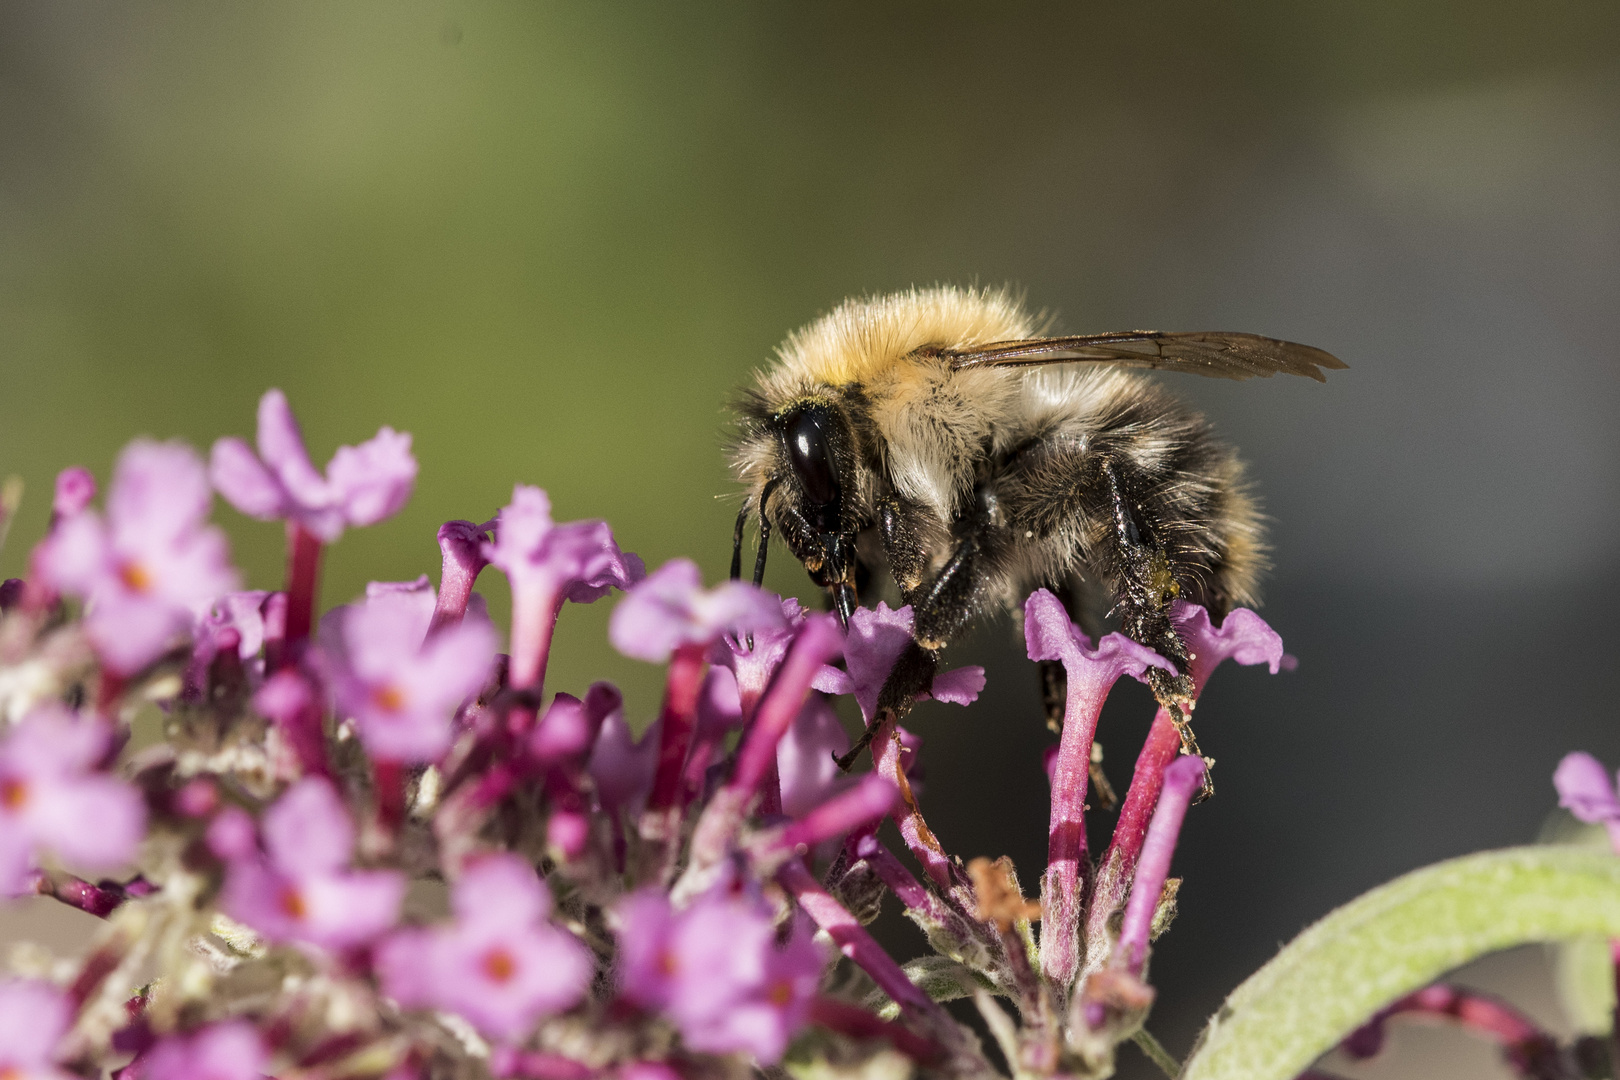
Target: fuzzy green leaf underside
pixel 1395 939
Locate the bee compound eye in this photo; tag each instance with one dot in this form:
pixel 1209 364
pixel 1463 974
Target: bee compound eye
pixel 811 454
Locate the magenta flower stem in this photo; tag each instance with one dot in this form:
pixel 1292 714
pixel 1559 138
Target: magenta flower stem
pixel 461 543
pixel 1181 779
pixel 920 839
pixel 1527 1047
pixel 865 803
pixel 770 790
pixel 303 731
pixel 818 642
pixel 98 900
pixel 534 620
pixel 108 691
pixel 856 944
pixel 858 1023
pixel 538 1065
pixel 1119 861
pixel 893 873
pixel 678 720
pixel 1066 863
pixel 303 574
pixel 388 780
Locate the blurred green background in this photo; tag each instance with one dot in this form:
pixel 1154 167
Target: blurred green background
pixel 548 240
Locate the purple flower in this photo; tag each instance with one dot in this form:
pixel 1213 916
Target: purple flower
pixel 716 971
pixel 33 1017
pixel 461 544
pixel 754 664
pixel 1243 636
pixel 230 623
pixel 1183 776
pixel 401 688
pixel 1049 635
pixel 804 758
pixel 53 797
pixel 232 1050
pixel 304 891
pixel 621 767
pixel 144 569
pixel 75 487
pixel 500 964
pixel 1585 790
pixel 363 484
pixel 569 730
pixel 671 609
pixel 547 564
pixel 877 637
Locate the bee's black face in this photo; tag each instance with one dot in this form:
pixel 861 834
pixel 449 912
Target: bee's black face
pixel 810 509
pixel 810 453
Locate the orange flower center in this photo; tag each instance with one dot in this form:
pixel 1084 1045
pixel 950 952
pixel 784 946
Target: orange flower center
pixel 780 995
pixel 666 963
pixel 13 794
pixel 135 577
pixel 292 903
pixel 11 1072
pixel 389 698
pixel 499 964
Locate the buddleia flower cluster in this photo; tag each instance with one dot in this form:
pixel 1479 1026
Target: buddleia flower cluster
pixel 367 843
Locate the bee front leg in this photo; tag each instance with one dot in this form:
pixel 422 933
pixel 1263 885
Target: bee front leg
pixel 940 608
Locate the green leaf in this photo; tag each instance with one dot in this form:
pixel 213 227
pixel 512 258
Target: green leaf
pixel 1583 969
pixel 1395 939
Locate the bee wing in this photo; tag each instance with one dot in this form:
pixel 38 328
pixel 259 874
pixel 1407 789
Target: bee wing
pixel 1213 353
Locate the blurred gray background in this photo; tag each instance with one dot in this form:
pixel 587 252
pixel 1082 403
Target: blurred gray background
pixel 550 239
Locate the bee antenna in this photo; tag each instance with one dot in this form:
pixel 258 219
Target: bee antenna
pixel 737 538
pixel 764 533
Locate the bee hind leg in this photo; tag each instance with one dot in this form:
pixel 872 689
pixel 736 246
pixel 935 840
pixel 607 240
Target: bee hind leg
pixel 1146 584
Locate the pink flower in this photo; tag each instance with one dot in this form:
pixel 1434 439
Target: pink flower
pixel 149 564
pixel 805 758
pixel 578 559
pixel 230 623
pixel 716 971
pixel 1587 792
pixel 232 1050
pixel 304 890
pixel 401 688
pixel 75 488
pixel 671 609
pixel 621 767
pixel 570 728
pixel 1049 635
pixel 877 637
pixel 546 564
pixel 754 658
pixel 33 1017
pixel 499 963
pixel 52 796
pixel 363 484
pixel 1243 636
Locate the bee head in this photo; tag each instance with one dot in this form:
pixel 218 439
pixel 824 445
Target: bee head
pixel 806 472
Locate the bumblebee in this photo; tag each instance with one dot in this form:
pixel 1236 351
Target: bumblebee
pixel 934 436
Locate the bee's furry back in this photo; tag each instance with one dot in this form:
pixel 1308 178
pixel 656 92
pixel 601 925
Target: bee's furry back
pixel 926 430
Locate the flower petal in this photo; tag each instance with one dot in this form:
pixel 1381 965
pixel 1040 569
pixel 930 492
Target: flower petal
pixel 307 830
pixel 373 481
pixel 244 482
pixel 1585 789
